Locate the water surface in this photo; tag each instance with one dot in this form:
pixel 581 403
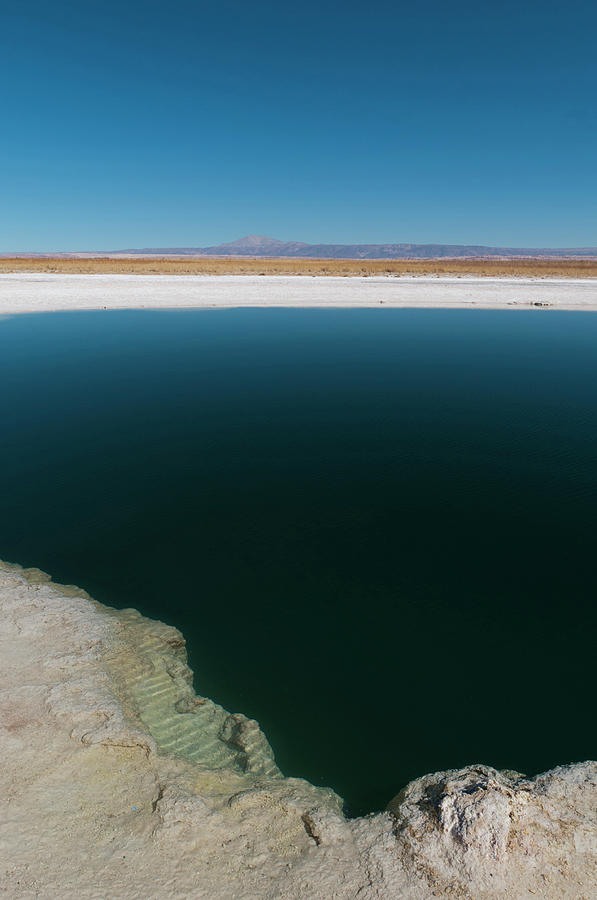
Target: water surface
pixel 375 528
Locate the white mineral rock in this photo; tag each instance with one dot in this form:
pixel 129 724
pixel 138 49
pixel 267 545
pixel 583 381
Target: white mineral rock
pixel 117 781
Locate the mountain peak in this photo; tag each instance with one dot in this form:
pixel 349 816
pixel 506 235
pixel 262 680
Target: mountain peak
pixel 258 244
pixel 253 240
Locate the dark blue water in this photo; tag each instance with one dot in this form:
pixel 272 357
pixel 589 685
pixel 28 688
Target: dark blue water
pixel 376 528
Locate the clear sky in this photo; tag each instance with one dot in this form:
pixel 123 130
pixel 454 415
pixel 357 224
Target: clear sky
pixel 188 123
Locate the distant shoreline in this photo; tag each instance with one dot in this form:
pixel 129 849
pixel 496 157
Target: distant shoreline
pixel 47 292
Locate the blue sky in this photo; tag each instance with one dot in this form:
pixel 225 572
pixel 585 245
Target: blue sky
pixel 187 123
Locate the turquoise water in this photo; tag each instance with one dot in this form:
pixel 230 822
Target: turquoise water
pixel 376 528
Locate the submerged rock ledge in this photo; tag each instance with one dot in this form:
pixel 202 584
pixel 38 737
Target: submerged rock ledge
pixel 118 781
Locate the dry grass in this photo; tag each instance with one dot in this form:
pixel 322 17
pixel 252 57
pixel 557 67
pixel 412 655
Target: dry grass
pixel 563 268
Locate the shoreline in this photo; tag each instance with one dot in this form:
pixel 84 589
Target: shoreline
pixel 45 292
pixel 118 780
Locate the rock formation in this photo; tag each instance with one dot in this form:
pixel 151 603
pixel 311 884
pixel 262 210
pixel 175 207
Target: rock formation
pixel 118 781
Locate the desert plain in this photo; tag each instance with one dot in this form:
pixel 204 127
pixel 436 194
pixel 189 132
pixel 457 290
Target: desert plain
pixel 123 264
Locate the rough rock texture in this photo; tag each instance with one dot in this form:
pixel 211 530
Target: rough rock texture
pixel 118 781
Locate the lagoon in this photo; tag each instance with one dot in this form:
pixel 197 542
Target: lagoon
pixel 375 527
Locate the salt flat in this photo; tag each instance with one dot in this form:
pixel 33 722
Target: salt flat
pixel 44 292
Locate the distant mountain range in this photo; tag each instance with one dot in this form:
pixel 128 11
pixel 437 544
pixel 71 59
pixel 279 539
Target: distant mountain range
pixel 259 245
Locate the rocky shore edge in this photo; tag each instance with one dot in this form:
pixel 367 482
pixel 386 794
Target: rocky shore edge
pixel 119 781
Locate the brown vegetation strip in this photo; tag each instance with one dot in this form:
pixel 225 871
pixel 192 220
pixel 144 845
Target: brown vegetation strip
pixel 563 268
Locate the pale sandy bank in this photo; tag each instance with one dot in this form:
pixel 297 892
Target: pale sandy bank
pixel 118 781
pixel 35 292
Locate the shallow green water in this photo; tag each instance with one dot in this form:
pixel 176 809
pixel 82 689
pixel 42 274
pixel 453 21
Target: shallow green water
pixel 376 528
